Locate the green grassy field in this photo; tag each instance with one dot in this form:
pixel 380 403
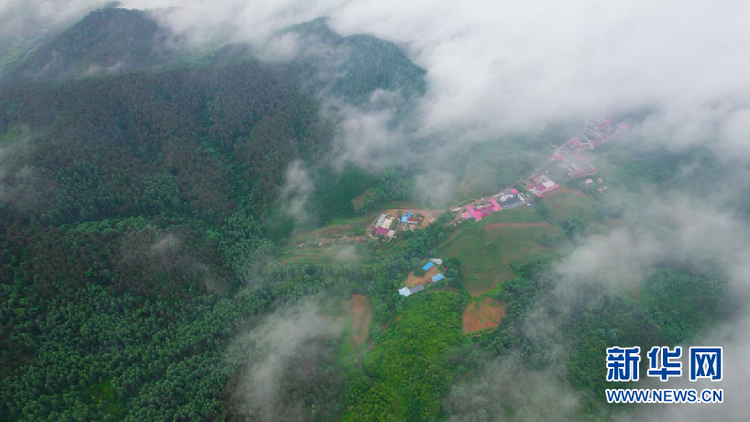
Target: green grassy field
pixel 520 214
pixel 567 205
pixel 486 255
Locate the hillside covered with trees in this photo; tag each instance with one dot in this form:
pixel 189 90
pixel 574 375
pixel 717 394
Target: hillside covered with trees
pixel 143 213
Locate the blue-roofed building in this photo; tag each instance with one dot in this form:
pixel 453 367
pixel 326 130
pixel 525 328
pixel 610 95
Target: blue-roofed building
pixel 404 218
pixel 438 278
pixel 428 266
pixel 408 213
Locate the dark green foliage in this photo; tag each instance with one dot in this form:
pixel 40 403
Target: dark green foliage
pixel 574 228
pixel 544 211
pixel 392 187
pixel 335 192
pixel 682 301
pixel 106 330
pixel 453 272
pixel 191 141
pixel 149 239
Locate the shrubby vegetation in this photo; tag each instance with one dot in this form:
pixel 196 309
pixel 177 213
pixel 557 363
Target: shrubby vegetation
pixel 678 302
pixel 411 359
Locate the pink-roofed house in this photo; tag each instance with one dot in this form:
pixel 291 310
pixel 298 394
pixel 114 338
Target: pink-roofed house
pixel 558 157
pixel 381 231
pixel 575 142
pixel 495 205
pixel 477 216
pixel 514 191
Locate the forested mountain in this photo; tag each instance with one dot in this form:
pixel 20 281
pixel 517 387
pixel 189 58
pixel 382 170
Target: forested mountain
pixel 132 187
pixel 107 41
pixel 194 138
pixel 145 239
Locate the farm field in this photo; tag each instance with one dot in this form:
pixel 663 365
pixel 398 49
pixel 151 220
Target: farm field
pixel 521 214
pixel 361 319
pixel 572 205
pixel 482 314
pixel 338 228
pixel 331 253
pixel 486 250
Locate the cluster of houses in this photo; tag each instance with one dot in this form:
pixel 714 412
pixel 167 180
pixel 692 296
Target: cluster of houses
pixel 387 225
pixel 504 200
pixel 591 182
pixel 541 184
pixel 580 167
pixel 408 291
pixel 598 130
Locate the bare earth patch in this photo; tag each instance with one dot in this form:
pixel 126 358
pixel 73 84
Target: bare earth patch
pixel 483 315
pixel 491 227
pixel 413 280
pixel 362 316
pixel 429 215
pixel 562 189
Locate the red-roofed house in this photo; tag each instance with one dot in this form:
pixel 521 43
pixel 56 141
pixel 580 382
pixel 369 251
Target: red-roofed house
pixel 558 157
pixel 575 142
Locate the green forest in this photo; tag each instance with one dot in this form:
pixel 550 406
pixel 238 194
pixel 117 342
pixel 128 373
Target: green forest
pixel 143 214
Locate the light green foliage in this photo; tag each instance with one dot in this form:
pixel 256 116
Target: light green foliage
pixel 410 359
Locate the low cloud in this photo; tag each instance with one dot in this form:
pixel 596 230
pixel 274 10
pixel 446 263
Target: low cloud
pixel 98 70
pixel 21 185
pixel 505 391
pixel 298 187
pixel 686 231
pixel 284 351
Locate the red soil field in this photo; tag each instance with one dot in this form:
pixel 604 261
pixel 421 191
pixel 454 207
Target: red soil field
pixel 361 320
pixel 413 280
pixel 482 315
